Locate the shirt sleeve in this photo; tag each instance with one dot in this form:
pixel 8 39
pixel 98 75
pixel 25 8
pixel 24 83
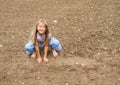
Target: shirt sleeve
pixel 50 35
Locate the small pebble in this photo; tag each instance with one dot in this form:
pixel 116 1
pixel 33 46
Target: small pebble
pixel 81 28
pixel 107 27
pixel 110 22
pixel 12 37
pixel 38 71
pixel 98 53
pixel 82 64
pixel 75 27
pixel 1 45
pixel 91 7
pixel 77 63
pixel 119 49
pixel 55 21
pixel 66 84
pixel 104 65
pixel 22 72
pixel 15 80
pixel 38 77
pixel 105 48
pixel 22 83
pixel 119 79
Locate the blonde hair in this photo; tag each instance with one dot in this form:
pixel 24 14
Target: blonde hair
pixel 34 34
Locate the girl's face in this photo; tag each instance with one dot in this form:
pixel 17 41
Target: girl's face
pixel 41 28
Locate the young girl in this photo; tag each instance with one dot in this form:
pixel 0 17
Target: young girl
pixel 42 39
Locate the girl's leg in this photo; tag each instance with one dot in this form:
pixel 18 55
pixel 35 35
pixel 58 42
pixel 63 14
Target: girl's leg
pixel 55 54
pixel 56 46
pixel 33 55
pixel 46 60
pixel 30 49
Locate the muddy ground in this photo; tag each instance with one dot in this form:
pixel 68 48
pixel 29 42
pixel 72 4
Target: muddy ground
pixel 88 30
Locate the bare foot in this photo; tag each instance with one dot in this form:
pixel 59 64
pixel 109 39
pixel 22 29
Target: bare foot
pixel 55 54
pixel 39 60
pixel 33 55
pixel 61 53
pixel 46 60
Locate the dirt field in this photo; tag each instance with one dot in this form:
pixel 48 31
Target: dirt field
pixel 89 31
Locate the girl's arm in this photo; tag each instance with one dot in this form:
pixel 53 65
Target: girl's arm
pixel 46 48
pixel 37 51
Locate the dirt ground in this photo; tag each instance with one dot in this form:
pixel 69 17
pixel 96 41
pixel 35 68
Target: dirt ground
pixel 88 30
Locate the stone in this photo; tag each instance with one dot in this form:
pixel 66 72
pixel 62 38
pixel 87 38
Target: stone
pixel 38 77
pixel 1 45
pixel 55 21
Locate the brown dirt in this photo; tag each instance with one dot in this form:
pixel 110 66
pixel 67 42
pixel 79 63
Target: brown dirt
pixel 88 30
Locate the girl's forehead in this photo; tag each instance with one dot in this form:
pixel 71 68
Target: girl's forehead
pixel 41 24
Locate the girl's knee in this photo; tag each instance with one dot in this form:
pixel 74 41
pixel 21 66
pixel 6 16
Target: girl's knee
pixel 53 41
pixel 29 48
pixel 55 44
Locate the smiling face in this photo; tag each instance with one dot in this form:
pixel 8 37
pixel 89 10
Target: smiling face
pixel 41 28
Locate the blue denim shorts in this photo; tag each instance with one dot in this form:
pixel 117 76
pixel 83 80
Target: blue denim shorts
pixel 54 43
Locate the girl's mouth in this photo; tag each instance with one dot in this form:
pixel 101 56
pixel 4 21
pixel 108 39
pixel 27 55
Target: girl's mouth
pixel 41 31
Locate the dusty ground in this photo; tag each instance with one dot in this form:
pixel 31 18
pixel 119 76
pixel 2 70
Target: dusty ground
pixel 88 30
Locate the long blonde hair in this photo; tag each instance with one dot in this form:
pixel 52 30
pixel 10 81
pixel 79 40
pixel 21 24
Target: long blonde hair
pixel 46 32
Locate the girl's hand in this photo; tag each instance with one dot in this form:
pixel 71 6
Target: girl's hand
pixel 46 60
pixel 39 60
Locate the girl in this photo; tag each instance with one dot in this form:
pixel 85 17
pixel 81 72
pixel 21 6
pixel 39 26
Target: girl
pixel 42 39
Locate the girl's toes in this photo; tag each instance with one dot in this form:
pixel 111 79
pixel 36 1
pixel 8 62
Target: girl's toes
pixel 33 55
pixel 55 54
